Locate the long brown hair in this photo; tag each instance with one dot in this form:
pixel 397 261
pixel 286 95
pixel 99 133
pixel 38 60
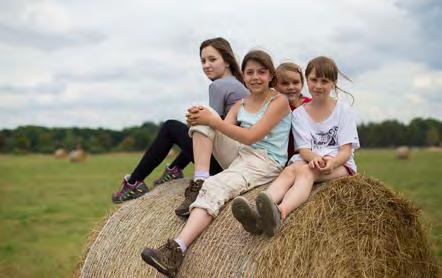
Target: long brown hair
pixel 225 50
pixel 264 59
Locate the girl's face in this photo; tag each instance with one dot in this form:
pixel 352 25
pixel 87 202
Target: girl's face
pixel 289 84
pixel 213 63
pixel 319 87
pixel 256 77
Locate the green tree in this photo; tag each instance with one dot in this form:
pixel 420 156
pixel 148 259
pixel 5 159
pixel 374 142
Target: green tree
pixel 20 143
pixel 45 142
pixel 128 144
pixel 2 142
pixel 433 137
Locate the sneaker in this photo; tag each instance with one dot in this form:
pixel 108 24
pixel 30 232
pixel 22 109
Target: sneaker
pixel 129 191
pixel 246 215
pixel 168 175
pixel 166 259
pixel 190 196
pixel 270 214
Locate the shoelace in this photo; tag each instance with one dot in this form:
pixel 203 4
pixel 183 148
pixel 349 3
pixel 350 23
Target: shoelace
pixel 193 187
pixel 172 250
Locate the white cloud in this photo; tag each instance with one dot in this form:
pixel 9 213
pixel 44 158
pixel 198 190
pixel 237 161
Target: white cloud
pixel 392 92
pixel 139 61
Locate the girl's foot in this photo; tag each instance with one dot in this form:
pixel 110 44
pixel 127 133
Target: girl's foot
pixel 166 259
pixel 129 191
pixel 269 212
pixel 246 215
pixel 168 175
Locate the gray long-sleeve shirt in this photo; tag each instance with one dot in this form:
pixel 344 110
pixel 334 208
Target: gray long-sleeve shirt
pixel 224 92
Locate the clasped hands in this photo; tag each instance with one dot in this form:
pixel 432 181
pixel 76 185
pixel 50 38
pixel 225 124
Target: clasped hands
pixel 325 164
pixel 199 115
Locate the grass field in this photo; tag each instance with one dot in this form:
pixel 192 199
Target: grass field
pixel 49 206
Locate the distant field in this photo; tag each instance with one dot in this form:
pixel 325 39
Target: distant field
pixel 49 206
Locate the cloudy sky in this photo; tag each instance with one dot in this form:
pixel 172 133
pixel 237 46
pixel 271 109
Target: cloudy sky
pixel 114 64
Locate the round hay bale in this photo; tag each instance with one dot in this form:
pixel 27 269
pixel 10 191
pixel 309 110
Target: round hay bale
pixel 352 227
pixel 434 149
pixel 60 153
pixel 403 152
pixel 77 156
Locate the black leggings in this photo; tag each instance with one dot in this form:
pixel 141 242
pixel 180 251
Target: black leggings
pixel 171 132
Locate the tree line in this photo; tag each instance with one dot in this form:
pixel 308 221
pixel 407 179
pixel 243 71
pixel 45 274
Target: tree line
pixel 36 139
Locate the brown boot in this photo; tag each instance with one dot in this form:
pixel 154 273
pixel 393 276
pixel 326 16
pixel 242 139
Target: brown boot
pixel 166 259
pixel 190 196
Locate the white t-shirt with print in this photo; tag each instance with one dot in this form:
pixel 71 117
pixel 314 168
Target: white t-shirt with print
pixel 324 138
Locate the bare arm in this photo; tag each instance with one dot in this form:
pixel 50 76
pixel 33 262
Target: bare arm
pixel 307 154
pixel 277 110
pixel 233 113
pixel 200 115
pixel 314 160
pixel 343 155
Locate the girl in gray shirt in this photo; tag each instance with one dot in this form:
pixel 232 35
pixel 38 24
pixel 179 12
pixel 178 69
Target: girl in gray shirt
pixel 220 66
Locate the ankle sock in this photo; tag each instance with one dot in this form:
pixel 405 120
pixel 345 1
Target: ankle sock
pixel 201 175
pixel 181 244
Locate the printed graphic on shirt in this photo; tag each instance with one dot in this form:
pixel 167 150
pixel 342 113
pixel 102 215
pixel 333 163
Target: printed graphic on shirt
pixel 324 139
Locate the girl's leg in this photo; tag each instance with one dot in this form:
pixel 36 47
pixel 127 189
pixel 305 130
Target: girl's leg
pixel 282 184
pixel 300 190
pixel 202 151
pixel 198 220
pixel 186 156
pixel 168 257
pixel 302 187
pixel 171 132
pixel 339 172
pixel 182 160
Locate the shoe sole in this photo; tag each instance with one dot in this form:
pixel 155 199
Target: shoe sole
pixel 268 212
pixel 242 212
pixel 148 256
pixel 185 214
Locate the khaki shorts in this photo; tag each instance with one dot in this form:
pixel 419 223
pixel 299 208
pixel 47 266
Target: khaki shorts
pixel 245 168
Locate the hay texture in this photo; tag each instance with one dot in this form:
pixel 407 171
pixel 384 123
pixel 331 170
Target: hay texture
pixel 60 153
pixel 352 227
pixel 77 155
pixel 403 152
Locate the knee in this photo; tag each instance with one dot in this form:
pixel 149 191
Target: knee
pixel 202 130
pixel 171 124
pixel 303 171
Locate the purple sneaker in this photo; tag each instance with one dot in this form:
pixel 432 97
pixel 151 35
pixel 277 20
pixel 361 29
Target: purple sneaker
pixel 129 191
pixel 168 175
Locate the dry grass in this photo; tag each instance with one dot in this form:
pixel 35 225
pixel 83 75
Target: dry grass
pixel 352 227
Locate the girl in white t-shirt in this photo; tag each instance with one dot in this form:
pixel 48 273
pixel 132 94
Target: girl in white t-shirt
pixel 325 134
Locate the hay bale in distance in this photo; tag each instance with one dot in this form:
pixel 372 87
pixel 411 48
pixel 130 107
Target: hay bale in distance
pixel 403 152
pixel 77 155
pixel 352 227
pixel 60 153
